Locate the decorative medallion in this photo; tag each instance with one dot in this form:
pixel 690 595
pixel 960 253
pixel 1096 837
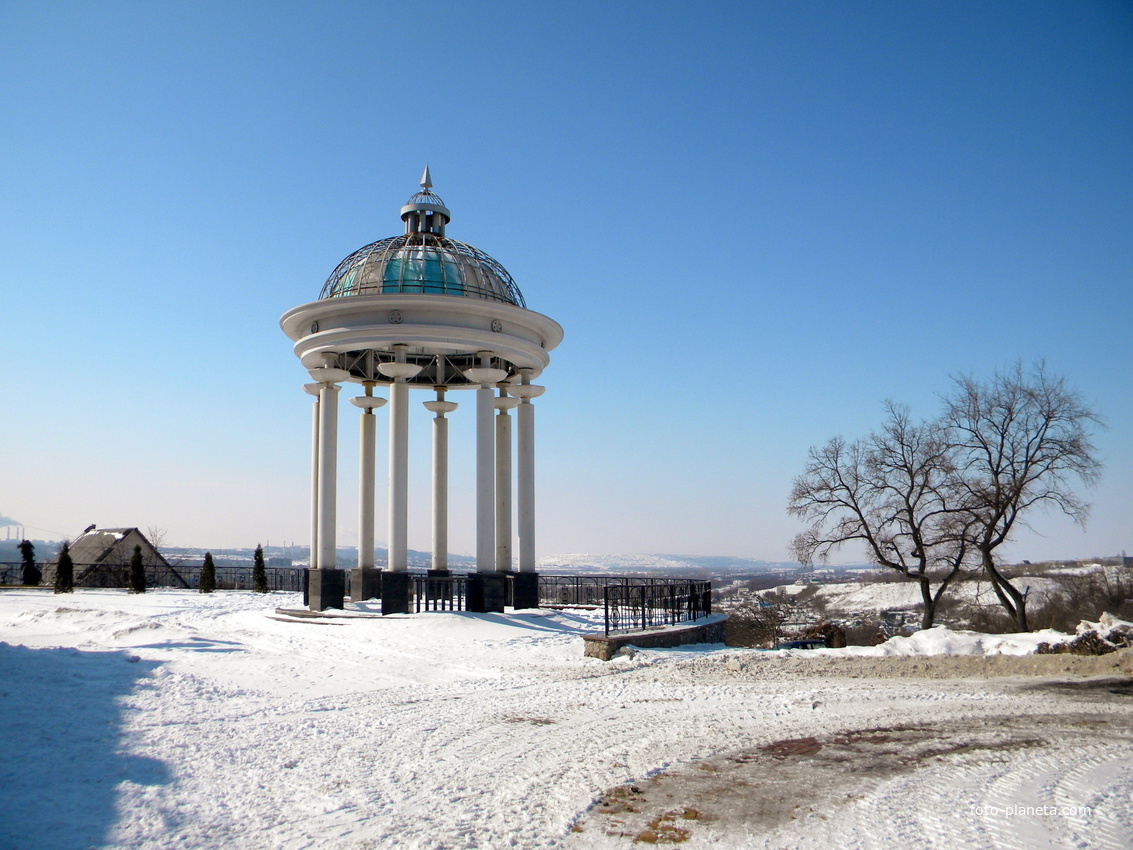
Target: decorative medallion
pixel 497 326
pixel 395 317
pixel 314 327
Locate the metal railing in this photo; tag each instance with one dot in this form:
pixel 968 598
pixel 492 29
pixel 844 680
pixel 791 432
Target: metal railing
pixel 630 607
pixel 589 590
pixel 629 603
pixel 240 578
pixel 118 575
pixel 439 593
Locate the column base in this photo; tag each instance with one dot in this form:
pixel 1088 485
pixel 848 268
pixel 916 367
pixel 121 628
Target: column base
pixel 487 593
pixel 525 590
pixel 325 589
pixel 365 583
pixel 395 592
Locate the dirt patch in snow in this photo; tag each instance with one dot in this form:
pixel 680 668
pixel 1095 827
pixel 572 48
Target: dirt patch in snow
pixel 753 792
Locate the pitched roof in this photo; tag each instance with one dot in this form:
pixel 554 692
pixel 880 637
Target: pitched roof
pixel 94 546
pixel 104 548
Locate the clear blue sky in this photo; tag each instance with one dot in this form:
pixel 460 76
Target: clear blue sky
pixel 755 222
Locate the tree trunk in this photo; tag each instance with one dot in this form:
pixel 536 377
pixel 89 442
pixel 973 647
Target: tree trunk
pixel 1014 602
pixel 929 603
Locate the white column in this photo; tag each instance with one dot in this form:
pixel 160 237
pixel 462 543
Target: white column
pixel 485 376
pixel 503 481
pixel 399 459
pixel 398 531
pixel 485 481
pixel 367 448
pixel 313 560
pixel 440 478
pixel 328 474
pixel 367 451
pixel 525 472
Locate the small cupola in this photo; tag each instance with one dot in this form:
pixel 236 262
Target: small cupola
pixel 425 212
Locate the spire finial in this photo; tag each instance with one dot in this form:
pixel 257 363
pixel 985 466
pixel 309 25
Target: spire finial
pixel 426 180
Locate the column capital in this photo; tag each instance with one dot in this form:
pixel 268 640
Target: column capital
pixel 440 407
pixel 485 376
pixel 399 371
pixel 328 374
pixel 526 391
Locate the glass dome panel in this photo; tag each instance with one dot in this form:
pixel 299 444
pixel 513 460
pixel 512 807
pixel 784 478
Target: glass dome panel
pixel 422 263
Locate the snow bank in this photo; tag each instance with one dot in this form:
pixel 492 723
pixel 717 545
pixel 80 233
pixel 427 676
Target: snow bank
pixel 940 640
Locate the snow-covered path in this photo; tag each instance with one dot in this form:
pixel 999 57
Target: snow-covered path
pixel 179 720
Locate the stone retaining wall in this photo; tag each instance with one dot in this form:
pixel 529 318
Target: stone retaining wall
pixel 706 630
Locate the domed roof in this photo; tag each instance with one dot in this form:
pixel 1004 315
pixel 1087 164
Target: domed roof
pixel 423 260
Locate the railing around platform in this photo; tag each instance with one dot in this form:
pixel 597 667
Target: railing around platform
pixel 589 590
pixel 439 593
pixel 630 607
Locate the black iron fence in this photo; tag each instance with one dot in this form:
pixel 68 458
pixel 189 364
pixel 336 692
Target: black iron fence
pixel 590 590
pixel 240 578
pixel 630 607
pixel 634 601
pixel 439 593
pixel 629 603
pixel 118 575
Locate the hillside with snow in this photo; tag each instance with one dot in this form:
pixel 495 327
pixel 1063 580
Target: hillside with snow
pixel 659 565
pixel 174 719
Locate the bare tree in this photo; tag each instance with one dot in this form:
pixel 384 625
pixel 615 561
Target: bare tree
pixel 765 619
pixel 158 537
pixel 1021 442
pixel 894 492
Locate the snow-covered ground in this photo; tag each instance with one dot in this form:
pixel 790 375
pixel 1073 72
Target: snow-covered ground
pixel 174 719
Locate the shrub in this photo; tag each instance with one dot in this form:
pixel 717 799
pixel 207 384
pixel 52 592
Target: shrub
pixel 137 572
pixel 31 576
pixel 65 574
pixel 834 636
pixel 259 574
pixel 208 575
pixel 1087 643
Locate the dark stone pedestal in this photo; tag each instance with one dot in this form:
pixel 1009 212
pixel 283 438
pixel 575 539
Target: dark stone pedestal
pixel 525 590
pixel 365 583
pixel 395 592
pixel 487 592
pixel 325 589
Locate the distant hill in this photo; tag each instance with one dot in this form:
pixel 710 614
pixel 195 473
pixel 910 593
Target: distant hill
pixel 700 566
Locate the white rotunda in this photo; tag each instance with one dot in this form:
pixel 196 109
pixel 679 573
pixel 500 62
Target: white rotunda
pixel 423 311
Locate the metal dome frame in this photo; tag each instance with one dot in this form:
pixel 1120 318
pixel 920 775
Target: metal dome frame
pixel 474 274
